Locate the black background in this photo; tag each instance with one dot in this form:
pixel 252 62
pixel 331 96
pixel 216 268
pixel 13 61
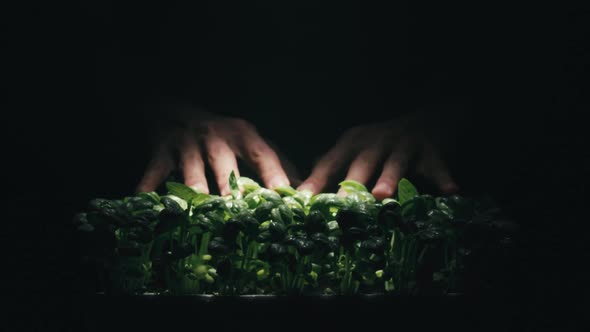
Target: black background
pixel 81 79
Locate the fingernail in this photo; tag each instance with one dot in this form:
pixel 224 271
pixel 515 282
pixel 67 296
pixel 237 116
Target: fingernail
pixel 278 182
pixel 200 188
pixel 224 190
pixel 382 188
pixel 305 186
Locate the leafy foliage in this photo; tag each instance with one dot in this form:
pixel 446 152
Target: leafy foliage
pixel 261 241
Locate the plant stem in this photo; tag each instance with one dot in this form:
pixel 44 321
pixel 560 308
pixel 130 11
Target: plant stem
pixel 347 275
pixel 204 244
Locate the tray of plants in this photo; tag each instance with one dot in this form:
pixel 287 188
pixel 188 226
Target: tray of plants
pixel 259 255
pixel 258 243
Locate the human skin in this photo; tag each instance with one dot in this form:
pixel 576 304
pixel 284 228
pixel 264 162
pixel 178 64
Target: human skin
pixel 386 147
pixel 210 140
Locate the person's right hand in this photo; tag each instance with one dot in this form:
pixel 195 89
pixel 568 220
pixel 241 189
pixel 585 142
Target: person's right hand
pixel 219 141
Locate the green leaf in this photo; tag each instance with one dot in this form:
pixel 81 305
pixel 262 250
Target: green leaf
pixel 327 204
pixel 332 225
pixel 253 199
pixel 292 203
pixel 233 186
pixel 389 200
pixel 351 186
pixel 415 206
pixel 286 191
pixel 185 192
pixel 271 196
pixel 321 198
pixel 389 286
pixel 286 213
pixel 406 190
pixel 276 215
pixel 358 197
pixel 181 202
pixel 152 196
pixel 303 197
pixel 248 185
pixel 200 198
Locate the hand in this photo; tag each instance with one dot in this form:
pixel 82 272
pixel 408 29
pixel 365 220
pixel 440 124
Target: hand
pixel 218 139
pixel 387 147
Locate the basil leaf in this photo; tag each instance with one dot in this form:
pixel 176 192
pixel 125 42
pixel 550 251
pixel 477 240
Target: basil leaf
pixel 185 192
pixel 247 184
pixel 286 191
pixel 351 186
pixel 406 190
pixel 233 186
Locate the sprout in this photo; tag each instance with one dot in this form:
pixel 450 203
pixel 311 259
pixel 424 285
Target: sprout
pixel 284 241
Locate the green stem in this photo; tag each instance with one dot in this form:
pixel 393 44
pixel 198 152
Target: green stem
pixel 392 243
pixel 248 248
pixel 204 244
pixel 299 278
pixel 346 280
pixel 255 247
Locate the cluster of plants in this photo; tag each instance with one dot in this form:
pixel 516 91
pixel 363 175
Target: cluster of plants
pixel 284 241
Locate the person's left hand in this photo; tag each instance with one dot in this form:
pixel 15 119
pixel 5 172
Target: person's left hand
pixel 386 147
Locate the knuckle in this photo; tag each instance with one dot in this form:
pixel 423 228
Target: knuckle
pixel 258 151
pixel 214 149
pixel 212 154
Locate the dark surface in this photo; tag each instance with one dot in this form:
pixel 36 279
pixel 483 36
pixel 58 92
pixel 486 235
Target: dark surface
pixel 490 313
pixel 78 75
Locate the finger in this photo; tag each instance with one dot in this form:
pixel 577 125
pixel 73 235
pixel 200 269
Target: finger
pixel 329 164
pixel 192 164
pixel 158 168
pixel 394 167
pixel 266 161
pixel 433 167
pixel 364 165
pixel 290 169
pixel 288 166
pixel 444 181
pixel 222 160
